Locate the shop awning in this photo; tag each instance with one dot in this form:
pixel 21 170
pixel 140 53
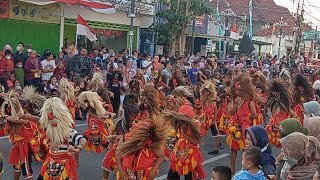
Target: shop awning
pixel 93 5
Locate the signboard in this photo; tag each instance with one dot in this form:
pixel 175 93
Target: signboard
pixel 4 9
pixel 311 35
pixel 200 21
pixel 29 12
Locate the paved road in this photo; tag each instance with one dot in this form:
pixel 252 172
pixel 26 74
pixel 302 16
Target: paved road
pixel 90 163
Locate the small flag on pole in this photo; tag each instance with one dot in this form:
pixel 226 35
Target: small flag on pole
pixel 84 29
pixel 234 33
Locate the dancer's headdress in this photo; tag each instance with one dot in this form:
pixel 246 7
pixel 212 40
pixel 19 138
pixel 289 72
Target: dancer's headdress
pixel 150 134
pixel 242 86
pixel 57 120
pixel 285 75
pixel 66 90
pixel 11 105
pixel 279 96
pixel 180 94
pixel 210 87
pixel 302 90
pixel 260 81
pixel 97 80
pixel 149 99
pixel 180 121
pixel 93 100
pixel 36 100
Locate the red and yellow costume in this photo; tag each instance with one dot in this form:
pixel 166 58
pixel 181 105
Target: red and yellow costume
pixel 72 105
pixel 60 163
pixel 240 121
pixel 279 103
pixel 186 156
pixel 59 166
pixel 224 118
pixel 23 140
pixel 96 134
pixel 259 106
pixel 303 92
pixel 273 127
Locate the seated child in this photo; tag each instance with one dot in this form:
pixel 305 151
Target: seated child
pixel 251 159
pixel 221 173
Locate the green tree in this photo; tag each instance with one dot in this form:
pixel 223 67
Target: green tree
pixel 176 16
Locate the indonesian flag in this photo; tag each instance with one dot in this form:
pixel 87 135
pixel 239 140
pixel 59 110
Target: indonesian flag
pixel 234 33
pixel 84 29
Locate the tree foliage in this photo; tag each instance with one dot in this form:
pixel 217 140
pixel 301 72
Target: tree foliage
pixel 175 17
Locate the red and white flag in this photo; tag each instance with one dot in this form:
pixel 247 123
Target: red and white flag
pixel 84 29
pixel 234 33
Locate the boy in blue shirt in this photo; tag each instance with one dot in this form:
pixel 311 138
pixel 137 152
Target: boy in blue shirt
pixel 250 165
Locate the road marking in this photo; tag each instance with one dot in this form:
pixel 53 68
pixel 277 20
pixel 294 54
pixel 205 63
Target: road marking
pixel 78 125
pixel 205 162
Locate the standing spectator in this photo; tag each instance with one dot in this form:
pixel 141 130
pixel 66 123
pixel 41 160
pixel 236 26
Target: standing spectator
pixel 147 65
pixel 20 56
pixel 135 59
pixel 193 72
pixel 81 66
pixel 61 67
pixel 44 55
pixel 33 69
pixel 114 79
pixel 48 65
pixel 68 59
pixel 97 59
pixel 129 72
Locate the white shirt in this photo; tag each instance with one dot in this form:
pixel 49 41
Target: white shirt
pixel 47 65
pixel 146 63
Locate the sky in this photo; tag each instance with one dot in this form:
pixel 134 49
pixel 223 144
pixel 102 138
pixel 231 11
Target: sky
pixel 311 7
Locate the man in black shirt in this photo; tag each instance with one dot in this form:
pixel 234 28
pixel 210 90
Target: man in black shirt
pixel 20 56
pixel 114 78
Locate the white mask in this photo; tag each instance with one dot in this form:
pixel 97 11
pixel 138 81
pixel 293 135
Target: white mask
pixel 19 48
pixel 8 57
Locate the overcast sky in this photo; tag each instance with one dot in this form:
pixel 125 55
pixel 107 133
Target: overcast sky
pixel 312 9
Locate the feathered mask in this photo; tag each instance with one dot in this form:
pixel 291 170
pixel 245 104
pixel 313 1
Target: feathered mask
pixel 57 120
pixel 279 97
pixel 149 100
pixel 303 90
pixel 93 100
pixel 242 86
pixel 11 105
pixel 97 80
pixel 208 91
pixel 285 75
pixel 66 90
pixel 36 100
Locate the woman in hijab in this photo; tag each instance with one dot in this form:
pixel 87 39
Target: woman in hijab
pixel 291 125
pixel 313 127
pixel 301 155
pixel 257 136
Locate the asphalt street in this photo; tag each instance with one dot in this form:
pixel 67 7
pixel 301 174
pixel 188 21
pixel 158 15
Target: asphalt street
pixel 90 163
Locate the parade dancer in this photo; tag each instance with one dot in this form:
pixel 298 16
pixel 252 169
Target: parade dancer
pixel 21 135
pixel 223 116
pixel 208 116
pixel 243 111
pixel 279 103
pixel 186 159
pixel 33 104
pixel 261 83
pixel 286 76
pixel 97 85
pixel 140 152
pixel 65 141
pixel 66 91
pixel 123 123
pixel 99 121
pixel 190 164
pixel 303 93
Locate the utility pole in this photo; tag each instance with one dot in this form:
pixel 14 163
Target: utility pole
pixel 299 27
pixel 280 24
pixel 226 13
pixel 315 43
pixel 131 16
